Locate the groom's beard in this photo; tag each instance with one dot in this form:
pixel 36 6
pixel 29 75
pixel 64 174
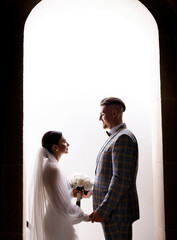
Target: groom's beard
pixel 105 126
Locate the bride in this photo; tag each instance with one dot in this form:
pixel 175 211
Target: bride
pixel 51 212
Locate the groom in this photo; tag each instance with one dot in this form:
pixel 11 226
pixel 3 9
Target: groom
pixel 115 200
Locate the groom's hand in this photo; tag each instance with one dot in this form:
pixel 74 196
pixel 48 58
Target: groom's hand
pixel 95 217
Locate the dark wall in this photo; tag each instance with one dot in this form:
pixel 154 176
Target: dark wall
pixel 14 14
pixel 165 13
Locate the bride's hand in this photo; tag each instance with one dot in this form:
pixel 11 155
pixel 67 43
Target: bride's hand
pixel 76 191
pixel 87 218
pixel 82 193
pixel 87 195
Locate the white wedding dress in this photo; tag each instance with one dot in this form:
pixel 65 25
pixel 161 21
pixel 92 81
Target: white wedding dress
pixel 51 211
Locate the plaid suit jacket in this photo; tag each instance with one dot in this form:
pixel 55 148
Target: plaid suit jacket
pixel 114 193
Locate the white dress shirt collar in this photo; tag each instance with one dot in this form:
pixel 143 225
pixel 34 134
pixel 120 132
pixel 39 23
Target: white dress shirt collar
pixel 116 128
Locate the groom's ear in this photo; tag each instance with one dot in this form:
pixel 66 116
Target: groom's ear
pixel 114 112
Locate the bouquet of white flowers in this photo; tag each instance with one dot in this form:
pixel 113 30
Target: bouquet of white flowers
pixel 82 183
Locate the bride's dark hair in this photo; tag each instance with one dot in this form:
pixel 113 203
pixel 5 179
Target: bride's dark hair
pixel 50 138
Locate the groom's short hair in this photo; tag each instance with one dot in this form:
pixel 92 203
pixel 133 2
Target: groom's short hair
pixel 113 100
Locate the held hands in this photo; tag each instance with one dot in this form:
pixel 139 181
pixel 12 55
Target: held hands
pixel 95 217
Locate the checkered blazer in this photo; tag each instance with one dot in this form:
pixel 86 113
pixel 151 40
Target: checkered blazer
pixel 114 193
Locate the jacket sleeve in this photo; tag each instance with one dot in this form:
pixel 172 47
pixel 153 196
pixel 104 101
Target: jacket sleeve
pixel 124 157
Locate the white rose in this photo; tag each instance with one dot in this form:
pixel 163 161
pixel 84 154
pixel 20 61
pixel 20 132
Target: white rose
pixel 88 185
pixel 74 183
pixel 81 182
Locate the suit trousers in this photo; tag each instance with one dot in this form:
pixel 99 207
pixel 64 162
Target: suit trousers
pixel 117 231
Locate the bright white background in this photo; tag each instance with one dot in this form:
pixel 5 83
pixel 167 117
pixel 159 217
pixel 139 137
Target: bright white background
pixel 75 54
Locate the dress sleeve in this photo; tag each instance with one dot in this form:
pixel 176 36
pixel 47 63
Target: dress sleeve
pixel 59 195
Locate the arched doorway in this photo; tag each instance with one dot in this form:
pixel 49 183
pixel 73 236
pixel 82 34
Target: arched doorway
pixel 14 15
pixel 117 68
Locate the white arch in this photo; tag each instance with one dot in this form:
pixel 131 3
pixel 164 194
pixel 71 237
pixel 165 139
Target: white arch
pixel 75 54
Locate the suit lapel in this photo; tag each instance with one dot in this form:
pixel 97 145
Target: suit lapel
pixel 106 143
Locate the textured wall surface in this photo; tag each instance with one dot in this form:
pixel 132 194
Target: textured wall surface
pixel 11 166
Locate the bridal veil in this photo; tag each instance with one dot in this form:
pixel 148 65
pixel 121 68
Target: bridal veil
pixel 51 212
